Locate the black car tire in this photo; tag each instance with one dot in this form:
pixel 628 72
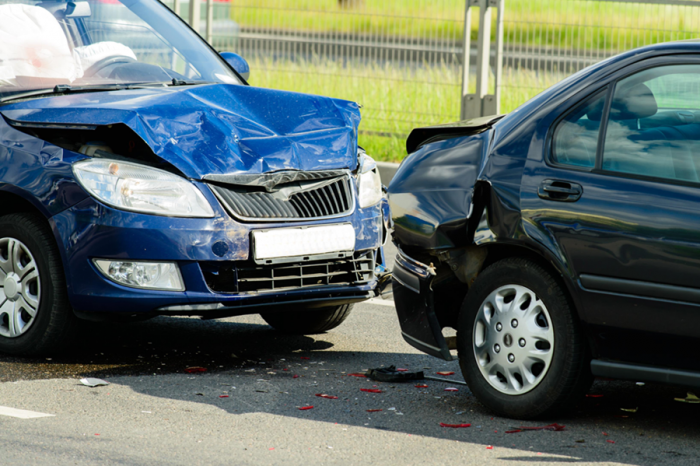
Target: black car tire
pixel 54 323
pixel 568 375
pixel 308 322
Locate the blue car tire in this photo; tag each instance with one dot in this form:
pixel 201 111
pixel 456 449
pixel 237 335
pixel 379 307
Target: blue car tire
pixel 308 322
pixel 35 314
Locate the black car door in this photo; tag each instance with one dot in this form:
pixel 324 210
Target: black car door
pixel 617 190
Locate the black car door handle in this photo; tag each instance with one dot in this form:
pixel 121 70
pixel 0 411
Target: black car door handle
pixel 562 191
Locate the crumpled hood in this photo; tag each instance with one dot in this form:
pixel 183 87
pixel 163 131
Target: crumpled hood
pixel 217 129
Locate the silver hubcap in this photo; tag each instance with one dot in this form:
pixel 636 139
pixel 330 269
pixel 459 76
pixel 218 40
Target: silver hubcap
pixel 513 339
pixel 21 288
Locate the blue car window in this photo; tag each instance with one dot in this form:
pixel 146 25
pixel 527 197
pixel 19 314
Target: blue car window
pixel 576 136
pixel 654 124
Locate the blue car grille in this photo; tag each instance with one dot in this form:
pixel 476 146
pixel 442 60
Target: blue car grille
pixel 229 277
pixel 331 199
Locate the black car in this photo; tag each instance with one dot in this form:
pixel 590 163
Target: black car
pixel 561 241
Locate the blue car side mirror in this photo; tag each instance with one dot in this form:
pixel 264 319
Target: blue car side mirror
pixel 238 63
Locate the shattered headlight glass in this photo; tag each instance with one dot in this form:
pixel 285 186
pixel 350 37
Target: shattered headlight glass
pixel 369 185
pixel 134 187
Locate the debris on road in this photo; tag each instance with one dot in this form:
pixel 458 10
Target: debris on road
pixel 421 386
pixel 630 410
pixel 455 426
pixel 445 373
pixel 553 427
pixel 195 369
pixel 357 375
pixel 450 389
pixel 323 395
pixel 92 382
pixel 370 390
pixel 610 441
pixel 438 379
pixel 489 447
pixel 690 398
pixel 304 408
pixel 391 374
pixel 223 396
pixel 374 410
pixel 591 395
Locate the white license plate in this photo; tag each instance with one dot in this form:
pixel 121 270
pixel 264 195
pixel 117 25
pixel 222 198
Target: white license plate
pixel 308 241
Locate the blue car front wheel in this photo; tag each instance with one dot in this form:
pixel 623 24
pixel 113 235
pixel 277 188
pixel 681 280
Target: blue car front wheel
pixel 35 316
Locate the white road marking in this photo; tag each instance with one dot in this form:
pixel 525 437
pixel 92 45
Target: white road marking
pixel 381 302
pixel 21 413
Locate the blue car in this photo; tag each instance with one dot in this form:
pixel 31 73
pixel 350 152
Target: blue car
pixel 140 175
pixel 561 241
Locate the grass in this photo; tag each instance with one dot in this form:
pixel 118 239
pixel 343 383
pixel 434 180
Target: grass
pixel 579 24
pixel 392 102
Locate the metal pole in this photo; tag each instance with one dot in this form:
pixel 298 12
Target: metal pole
pixel 499 55
pixel 195 14
pixel 466 56
pixel 483 55
pixel 176 7
pixel 210 20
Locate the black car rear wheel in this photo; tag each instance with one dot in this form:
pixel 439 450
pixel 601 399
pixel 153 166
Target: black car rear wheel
pixel 520 347
pixel 308 322
pixel 35 315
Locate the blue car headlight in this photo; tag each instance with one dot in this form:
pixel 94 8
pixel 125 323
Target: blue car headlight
pixel 137 188
pixel 369 185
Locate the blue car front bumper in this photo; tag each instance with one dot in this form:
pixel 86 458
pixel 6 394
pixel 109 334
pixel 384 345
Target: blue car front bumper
pixel 200 247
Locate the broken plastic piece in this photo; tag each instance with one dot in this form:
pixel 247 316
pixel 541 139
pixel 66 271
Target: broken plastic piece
pixel 610 441
pixel 421 386
pixel 553 427
pixel 630 410
pixel 304 357
pixel 295 376
pixel 91 382
pixel 450 389
pixel 691 398
pixel 445 373
pixel 401 369
pixel 374 410
pixel 304 408
pixel 489 447
pixel 357 375
pixel 223 396
pixel 605 433
pixel 390 374
pixel 455 426
pixel 514 431
pixel 323 395
pixel 590 395
pixel 194 369
pixel 370 390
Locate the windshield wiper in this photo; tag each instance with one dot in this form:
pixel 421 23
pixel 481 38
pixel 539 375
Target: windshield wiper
pixel 61 89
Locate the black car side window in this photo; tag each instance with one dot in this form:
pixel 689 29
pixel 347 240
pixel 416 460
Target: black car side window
pixel 576 136
pixel 654 124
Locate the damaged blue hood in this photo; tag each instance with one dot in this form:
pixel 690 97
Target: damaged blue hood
pixel 218 129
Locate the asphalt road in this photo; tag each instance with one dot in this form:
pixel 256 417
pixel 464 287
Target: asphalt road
pixel 245 408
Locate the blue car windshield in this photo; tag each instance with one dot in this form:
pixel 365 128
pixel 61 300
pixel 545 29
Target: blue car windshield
pixel 100 42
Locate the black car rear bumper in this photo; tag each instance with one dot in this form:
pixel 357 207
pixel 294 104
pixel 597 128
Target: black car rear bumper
pixel 413 297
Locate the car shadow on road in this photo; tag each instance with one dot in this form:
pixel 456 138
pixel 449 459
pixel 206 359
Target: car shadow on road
pixel 277 374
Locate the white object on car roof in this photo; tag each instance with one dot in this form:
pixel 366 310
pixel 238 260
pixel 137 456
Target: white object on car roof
pixel 33 44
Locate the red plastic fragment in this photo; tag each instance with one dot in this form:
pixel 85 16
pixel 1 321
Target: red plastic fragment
pixel 455 426
pixel 304 357
pixel 357 375
pixel 304 408
pixel 285 369
pixel 421 386
pixel 193 369
pixel 401 369
pixel 223 396
pixel 605 433
pixel 554 427
pixel 590 395
pixel 445 373
pixel 295 376
pixel 514 431
pixel 610 441
pixel 370 390
pixel 323 395
pixel 451 389
pixel 373 410
pixel 489 447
